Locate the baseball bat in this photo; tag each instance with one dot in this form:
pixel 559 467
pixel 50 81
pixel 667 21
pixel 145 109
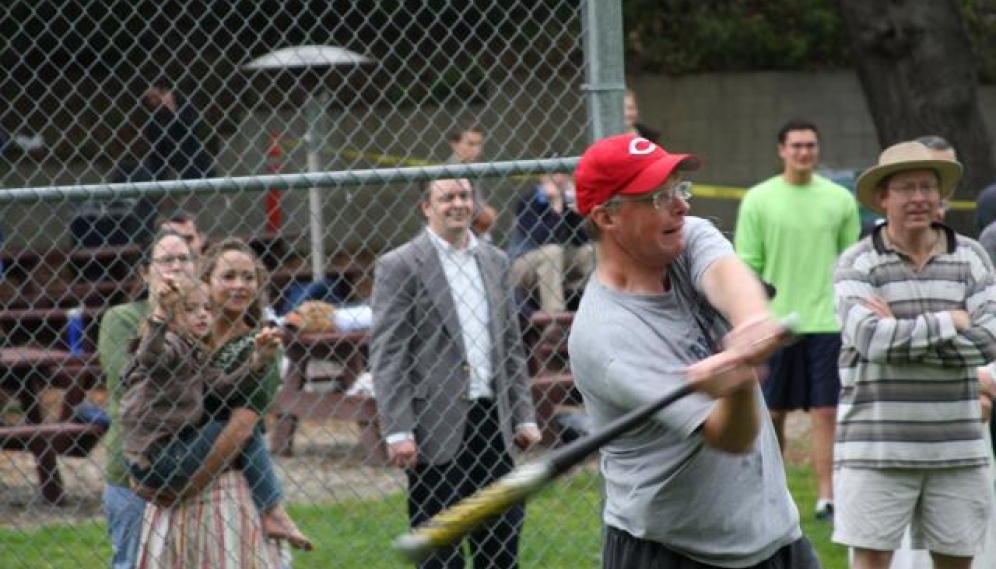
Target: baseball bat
pixel 450 525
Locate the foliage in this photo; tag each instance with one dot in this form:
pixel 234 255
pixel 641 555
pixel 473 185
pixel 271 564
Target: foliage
pixel 981 18
pixel 684 36
pixel 695 36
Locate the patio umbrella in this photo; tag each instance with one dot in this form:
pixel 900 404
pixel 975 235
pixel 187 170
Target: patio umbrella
pixel 316 59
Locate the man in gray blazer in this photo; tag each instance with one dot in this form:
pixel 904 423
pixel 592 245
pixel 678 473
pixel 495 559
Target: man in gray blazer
pixel 449 370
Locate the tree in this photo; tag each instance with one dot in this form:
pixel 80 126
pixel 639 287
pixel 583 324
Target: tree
pixel 697 36
pixel 914 62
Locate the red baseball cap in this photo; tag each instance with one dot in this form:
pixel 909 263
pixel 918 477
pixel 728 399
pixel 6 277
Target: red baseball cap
pixel 624 164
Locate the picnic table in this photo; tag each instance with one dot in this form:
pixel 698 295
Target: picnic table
pixel 296 399
pixel 47 326
pixel 26 372
pixel 551 383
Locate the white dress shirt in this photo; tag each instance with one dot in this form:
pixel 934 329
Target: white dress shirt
pixel 467 289
pixel 470 298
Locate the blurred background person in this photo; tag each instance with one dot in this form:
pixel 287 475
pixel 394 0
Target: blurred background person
pixel 631 116
pixel 176 149
pixel 549 248
pixel 790 229
pixel 466 141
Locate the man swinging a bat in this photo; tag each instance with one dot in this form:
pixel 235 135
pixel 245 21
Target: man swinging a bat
pixel 702 484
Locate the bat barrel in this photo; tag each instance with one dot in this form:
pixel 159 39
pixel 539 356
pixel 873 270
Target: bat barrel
pixel 449 526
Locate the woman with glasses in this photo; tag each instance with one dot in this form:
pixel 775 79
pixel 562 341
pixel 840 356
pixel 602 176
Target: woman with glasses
pixel 167 256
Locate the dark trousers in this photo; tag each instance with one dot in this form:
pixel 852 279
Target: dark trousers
pixel 623 551
pixel 173 465
pixel 482 459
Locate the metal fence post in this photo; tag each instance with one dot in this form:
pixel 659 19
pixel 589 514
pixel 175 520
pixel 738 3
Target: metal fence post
pixel 604 69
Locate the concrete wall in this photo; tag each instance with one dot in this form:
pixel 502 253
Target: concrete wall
pixel 729 119
pixel 732 119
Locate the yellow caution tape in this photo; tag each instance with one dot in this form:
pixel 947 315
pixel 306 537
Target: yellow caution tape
pixel 706 191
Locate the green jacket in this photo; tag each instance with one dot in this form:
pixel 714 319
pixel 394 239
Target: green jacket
pixel 118 327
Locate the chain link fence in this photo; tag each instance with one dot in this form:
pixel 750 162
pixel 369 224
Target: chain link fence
pixel 308 130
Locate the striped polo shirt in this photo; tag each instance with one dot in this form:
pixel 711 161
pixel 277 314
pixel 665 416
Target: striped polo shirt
pixel 909 393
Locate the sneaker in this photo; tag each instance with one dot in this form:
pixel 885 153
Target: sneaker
pixel 824 512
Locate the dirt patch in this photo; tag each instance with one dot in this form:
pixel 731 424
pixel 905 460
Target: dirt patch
pixel 327 467
pixel 798 430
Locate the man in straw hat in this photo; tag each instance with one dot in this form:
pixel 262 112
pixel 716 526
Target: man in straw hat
pixel 916 304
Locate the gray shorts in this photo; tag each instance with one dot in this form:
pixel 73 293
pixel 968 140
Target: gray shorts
pixel 947 509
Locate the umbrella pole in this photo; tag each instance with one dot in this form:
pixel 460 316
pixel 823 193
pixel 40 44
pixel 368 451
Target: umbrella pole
pixel 314 143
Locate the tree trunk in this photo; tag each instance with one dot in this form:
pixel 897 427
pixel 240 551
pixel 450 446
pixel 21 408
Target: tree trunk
pixel 915 63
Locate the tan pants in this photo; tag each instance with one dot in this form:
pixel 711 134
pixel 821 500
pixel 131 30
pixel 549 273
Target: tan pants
pixel 548 268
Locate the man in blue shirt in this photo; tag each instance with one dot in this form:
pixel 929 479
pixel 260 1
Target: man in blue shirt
pixel 548 245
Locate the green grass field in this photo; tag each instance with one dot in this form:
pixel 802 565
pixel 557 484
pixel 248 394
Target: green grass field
pixel 562 531
pixel 803 487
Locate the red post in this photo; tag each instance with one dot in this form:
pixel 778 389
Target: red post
pixel 274 164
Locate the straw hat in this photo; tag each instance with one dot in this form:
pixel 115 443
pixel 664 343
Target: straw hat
pixel 903 157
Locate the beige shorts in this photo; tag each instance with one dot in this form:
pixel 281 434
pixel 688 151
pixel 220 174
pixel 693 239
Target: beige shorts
pixel 947 509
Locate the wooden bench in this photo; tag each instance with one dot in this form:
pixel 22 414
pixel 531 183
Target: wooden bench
pixel 63 438
pixel 38 286
pixel 354 271
pixel 109 262
pixel 24 373
pixel 67 295
pixel 545 339
pixel 47 326
pixel 551 392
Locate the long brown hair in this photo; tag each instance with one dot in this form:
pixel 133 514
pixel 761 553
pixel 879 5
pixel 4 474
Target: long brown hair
pixel 256 313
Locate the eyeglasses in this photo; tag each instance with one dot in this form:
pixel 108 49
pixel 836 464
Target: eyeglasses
pixel 907 190
pixel 803 145
pixel 167 260
pixel 661 198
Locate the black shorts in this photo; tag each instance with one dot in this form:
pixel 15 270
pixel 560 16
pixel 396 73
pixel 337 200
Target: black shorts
pixel 805 374
pixel 623 551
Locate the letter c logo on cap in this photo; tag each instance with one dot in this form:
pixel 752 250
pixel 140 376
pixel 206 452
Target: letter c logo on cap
pixel 640 146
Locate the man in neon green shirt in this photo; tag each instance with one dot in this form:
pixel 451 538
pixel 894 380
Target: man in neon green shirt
pixel 790 229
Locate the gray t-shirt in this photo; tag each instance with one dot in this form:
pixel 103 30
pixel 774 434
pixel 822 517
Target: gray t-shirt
pixel 662 483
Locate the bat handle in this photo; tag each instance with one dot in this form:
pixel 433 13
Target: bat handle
pixel 790 322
